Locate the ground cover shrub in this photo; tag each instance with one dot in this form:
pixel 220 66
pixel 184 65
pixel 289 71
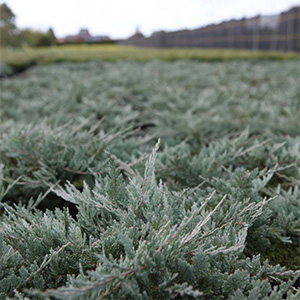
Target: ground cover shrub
pixel 140 241
pixel 93 208
pixel 5 70
pixel 20 59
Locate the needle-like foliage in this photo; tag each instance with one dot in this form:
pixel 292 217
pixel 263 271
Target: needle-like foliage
pixel 153 180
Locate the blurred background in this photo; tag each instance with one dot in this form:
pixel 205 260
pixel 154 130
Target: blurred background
pixel 255 25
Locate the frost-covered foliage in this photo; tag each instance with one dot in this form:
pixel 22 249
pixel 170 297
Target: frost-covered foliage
pixel 92 207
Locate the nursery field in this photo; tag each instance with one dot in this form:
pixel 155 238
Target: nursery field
pixel 151 180
pixel 17 60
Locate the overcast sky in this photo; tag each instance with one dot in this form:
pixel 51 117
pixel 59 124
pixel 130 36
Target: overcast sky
pixel 119 18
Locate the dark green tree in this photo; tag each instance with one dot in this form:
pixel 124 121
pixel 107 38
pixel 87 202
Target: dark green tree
pixel 34 38
pixel 51 36
pixel 7 17
pixel 8 30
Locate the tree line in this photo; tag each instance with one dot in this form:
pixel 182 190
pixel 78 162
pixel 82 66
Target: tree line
pixel 12 36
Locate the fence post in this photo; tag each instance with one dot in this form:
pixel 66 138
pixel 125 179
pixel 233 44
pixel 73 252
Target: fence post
pixel 274 38
pixel 255 43
pixel 290 31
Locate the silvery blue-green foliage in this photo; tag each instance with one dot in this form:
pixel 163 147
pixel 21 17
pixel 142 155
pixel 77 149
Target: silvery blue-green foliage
pixel 240 164
pixel 287 212
pixel 5 70
pixel 81 217
pixel 136 241
pixel 41 155
pixel 227 154
pixel 199 103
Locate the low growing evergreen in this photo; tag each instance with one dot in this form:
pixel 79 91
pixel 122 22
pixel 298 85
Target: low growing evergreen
pixel 181 182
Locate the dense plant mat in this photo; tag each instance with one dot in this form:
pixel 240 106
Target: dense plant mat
pixel 17 60
pixel 151 180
